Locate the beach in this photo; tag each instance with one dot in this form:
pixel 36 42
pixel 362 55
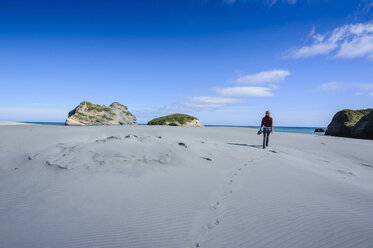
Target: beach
pixel 164 186
pixel 12 123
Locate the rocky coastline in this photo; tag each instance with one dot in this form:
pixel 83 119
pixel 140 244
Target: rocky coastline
pixel 352 124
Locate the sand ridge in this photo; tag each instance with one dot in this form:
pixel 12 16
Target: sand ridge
pixel 182 187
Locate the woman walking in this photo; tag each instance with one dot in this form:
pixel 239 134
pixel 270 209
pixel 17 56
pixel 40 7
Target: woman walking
pixel 267 124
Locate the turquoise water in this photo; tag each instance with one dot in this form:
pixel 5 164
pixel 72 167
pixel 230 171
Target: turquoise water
pixel 46 123
pixel 306 130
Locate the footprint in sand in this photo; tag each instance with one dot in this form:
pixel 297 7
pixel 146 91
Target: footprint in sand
pixel 32 156
pixel 250 162
pixel 215 206
pixel 367 165
pixel 194 245
pixel 346 172
pixel 228 192
pixel 212 225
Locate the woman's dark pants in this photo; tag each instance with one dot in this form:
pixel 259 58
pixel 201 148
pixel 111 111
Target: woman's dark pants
pixel 266 132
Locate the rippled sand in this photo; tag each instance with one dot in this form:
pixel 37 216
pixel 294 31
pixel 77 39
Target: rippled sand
pixel 153 186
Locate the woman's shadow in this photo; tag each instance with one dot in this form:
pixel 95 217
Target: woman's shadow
pixel 253 146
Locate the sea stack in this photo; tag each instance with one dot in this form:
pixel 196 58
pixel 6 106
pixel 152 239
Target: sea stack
pixel 352 124
pixel 364 127
pixel 176 120
pixel 88 113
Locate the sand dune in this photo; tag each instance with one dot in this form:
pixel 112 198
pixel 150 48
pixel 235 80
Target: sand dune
pixel 154 186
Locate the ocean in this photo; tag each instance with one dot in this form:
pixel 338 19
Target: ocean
pixel 305 130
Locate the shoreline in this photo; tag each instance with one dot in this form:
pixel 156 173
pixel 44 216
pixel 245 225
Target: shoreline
pixel 14 123
pixel 280 129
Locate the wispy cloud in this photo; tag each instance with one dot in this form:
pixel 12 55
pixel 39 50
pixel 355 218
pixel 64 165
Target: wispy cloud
pixel 245 91
pixel 264 77
pixel 348 41
pixel 193 104
pixel 262 84
pixel 357 88
pixel 270 3
pixel 273 2
pixel 366 5
pixel 332 86
pixel 208 102
pixel 363 10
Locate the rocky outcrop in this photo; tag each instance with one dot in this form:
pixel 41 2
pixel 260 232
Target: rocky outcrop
pixel 351 123
pixel 93 114
pixel 176 120
pixel 363 129
pixel 319 130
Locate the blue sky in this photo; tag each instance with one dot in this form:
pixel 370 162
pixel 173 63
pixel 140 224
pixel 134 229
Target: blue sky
pixel 224 61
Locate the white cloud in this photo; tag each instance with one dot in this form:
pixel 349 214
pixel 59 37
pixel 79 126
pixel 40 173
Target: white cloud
pixel 264 77
pixel 208 102
pixel 331 86
pixel 359 88
pixel 358 47
pixel 229 95
pixel 348 41
pixel 245 91
pixel 191 105
pixel 316 49
pixel 202 103
pixel 363 9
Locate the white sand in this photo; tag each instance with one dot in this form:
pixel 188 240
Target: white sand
pixel 12 123
pixel 76 187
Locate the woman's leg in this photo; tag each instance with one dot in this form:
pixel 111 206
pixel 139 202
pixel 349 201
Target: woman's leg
pixel 264 137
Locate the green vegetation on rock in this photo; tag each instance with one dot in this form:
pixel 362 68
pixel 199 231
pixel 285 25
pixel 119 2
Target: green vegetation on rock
pixel 87 113
pixel 172 119
pixel 96 107
pixel 353 116
pixel 344 123
pixel 117 103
